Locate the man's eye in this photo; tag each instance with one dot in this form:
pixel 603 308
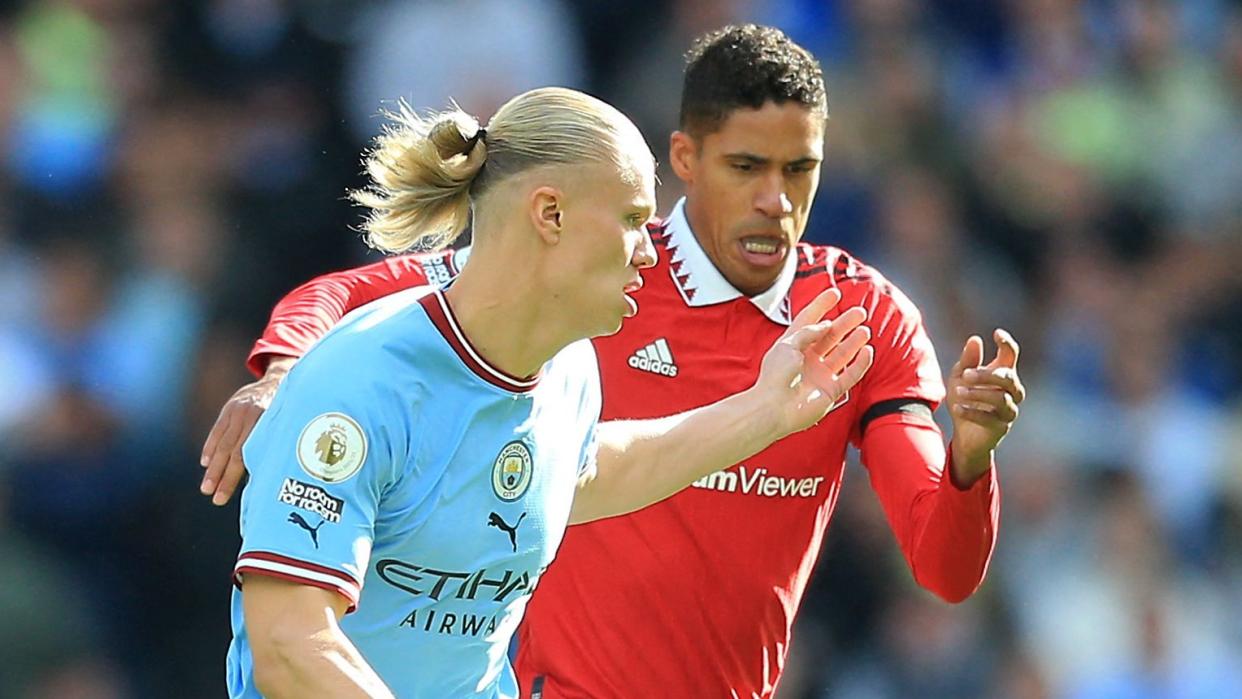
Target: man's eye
pixel 743 167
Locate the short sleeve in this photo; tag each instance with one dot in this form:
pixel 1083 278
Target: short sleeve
pixel 320 460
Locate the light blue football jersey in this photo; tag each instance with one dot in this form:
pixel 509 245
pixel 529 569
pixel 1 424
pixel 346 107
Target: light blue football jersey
pixel 399 469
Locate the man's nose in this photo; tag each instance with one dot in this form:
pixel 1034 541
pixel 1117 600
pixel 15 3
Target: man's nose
pixel 645 254
pixel 772 200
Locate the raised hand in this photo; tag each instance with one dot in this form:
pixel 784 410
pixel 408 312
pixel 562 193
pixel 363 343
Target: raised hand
pixel 983 402
pixel 815 363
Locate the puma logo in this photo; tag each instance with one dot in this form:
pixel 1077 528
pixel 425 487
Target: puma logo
pixel 494 520
pixel 297 519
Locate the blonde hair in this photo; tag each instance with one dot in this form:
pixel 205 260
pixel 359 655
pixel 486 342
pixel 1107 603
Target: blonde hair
pixel 426 170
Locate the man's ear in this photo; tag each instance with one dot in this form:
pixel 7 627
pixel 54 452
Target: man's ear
pixel 547 212
pixel 683 155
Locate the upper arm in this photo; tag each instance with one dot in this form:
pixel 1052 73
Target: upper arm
pixel 320 460
pixel 905 379
pixel 279 611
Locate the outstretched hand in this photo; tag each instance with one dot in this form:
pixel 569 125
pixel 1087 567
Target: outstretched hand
pixel 983 402
pixel 815 363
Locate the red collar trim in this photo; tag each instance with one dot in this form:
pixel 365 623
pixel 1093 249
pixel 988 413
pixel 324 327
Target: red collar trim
pixel 442 317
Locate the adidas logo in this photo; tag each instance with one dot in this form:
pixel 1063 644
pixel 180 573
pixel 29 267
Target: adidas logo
pixel 655 358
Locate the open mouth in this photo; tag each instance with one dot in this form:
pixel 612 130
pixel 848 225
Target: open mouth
pixel 629 289
pixel 762 250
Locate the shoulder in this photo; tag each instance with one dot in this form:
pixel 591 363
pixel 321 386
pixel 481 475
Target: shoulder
pixel 578 359
pixel 576 370
pixel 371 341
pixel 393 316
pixel 826 266
pixel 437 267
pixel 582 354
pixel 822 267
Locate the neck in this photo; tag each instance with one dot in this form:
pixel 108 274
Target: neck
pixel 507 317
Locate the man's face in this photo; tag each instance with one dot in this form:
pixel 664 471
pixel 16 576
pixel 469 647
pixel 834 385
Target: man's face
pixel 605 242
pixel 749 187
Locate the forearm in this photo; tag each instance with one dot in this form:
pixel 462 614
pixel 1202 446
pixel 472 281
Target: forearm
pixel 952 553
pixel 322 664
pixel 641 462
pixel 278 366
pixel 947 533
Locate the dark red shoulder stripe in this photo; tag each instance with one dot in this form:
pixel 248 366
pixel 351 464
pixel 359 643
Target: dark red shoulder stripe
pixel 441 315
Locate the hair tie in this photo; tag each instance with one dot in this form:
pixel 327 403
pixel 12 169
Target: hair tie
pixel 478 136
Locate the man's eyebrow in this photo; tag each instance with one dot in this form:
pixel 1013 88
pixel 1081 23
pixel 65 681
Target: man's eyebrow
pixel 748 157
pixel 807 160
pixel 760 160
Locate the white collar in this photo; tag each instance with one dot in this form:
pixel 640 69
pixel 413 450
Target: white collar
pixel 701 284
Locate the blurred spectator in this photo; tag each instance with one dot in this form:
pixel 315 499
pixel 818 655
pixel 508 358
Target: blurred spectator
pixel 476 52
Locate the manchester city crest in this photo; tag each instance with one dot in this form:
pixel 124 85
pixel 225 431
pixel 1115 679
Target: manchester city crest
pixel 332 447
pixel 512 471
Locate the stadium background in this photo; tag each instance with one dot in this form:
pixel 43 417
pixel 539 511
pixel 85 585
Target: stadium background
pixel 1071 170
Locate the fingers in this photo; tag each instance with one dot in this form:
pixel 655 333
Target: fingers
pixel 1003 378
pixel 216 450
pixel 803 338
pixel 230 442
pixel 982 417
pixel 213 437
pixel 845 351
pixel 989 400
pixel 229 480
pixel 842 325
pixel 816 309
pixel 234 466
pixel 836 381
pixel 856 369
pixel 971 358
pixel 1006 350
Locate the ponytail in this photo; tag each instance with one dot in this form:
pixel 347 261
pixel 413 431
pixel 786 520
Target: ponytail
pixel 426 169
pixel 421 171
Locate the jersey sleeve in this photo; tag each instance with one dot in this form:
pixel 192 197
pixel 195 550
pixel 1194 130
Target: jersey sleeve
pixel 308 312
pixel 320 460
pixel 946 533
pixel 905 366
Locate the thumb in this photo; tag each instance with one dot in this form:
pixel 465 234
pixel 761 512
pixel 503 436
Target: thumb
pixel 972 356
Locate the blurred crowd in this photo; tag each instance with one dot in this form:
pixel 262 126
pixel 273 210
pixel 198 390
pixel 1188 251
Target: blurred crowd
pixel 1070 170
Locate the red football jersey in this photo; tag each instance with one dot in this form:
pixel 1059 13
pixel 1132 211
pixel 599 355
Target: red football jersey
pixel 695 596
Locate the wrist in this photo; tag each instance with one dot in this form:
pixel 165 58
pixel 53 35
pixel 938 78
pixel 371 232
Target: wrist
pixel 763 411
pixel 277 367
pixel 965 468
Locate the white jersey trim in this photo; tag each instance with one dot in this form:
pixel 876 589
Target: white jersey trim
pixel 701 284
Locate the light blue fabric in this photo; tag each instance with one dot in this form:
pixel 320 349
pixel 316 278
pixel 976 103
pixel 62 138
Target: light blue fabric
pixel 456 505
